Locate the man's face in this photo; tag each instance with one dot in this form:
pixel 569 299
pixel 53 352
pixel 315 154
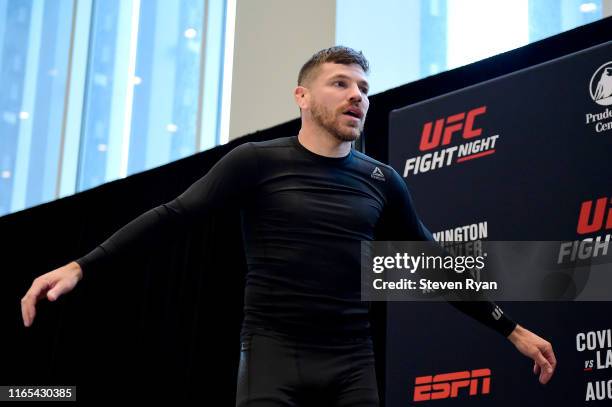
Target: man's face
pixel 338 100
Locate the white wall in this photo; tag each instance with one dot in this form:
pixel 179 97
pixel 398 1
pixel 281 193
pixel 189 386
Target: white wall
pixel 273 39
pixel 394 24
pixel 606 6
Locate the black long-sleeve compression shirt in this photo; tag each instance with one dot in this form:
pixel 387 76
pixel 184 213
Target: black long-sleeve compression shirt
pixel 303 217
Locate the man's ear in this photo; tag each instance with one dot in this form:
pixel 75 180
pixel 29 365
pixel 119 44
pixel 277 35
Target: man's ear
pixel 301 96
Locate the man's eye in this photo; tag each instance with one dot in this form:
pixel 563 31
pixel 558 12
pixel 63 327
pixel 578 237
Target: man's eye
pixel 364 90
pixel 340 83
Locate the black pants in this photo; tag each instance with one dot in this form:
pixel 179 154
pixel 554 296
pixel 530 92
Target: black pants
pixel 275 371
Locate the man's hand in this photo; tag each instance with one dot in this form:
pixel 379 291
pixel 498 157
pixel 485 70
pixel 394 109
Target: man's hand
pixel 538 349
pixel 52 285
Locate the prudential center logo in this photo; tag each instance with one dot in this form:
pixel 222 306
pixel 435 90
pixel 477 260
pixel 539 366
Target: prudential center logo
pixel 600 86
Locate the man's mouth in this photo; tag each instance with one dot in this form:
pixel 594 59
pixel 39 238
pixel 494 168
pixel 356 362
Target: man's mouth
pixel 354 112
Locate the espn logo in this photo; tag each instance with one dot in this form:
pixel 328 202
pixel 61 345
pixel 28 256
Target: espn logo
pixel 444 129
pixel 592 222
pixel 447 385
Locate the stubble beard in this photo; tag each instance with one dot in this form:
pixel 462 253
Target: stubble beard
pixel 327 120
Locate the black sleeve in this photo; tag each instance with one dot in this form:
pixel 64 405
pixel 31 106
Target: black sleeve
pixel 227 182
pixel 400 222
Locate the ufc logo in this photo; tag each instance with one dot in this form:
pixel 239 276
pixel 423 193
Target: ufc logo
pixel 590 220
pixel 444 129
pixel 447 385
pixel 497 313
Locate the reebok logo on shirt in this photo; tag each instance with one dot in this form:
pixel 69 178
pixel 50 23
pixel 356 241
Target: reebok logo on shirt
pixel 378 174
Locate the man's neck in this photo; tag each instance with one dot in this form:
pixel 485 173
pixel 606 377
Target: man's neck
pixel 323 143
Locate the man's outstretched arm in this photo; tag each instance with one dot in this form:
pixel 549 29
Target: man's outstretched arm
pixel 525 341
pixel 231 178
pixel 402 223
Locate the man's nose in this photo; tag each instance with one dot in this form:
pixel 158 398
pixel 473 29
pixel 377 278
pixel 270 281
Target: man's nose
pixel 355 94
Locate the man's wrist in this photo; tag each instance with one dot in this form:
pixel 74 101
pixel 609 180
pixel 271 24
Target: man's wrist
pixel 76 268
pixel 516 333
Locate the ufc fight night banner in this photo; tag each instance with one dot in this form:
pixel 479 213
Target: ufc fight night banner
pixel 524 157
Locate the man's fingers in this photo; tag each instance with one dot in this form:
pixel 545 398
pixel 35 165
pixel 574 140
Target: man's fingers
pixel 538 349
pixel 28 311
pixel 52 285
pixel 25 315
pixel 546 369
pixel 55 292
pixel 28 302
pixel 545 377
pixel 549 354
pixel 542 362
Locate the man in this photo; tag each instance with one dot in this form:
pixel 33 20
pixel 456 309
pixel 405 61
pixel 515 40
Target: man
pixel 307 202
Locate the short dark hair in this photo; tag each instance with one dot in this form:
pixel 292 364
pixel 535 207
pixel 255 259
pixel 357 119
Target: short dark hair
pixel 338 55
